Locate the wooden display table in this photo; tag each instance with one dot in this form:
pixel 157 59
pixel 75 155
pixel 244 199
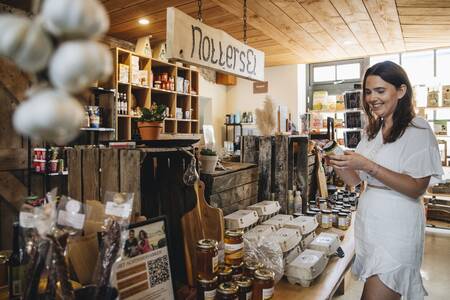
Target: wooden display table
pixel 332 278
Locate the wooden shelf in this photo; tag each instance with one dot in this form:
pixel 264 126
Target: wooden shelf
pixel 155 90
pixel 137 86
pixel 97 129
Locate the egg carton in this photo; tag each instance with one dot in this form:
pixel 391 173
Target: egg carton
pixel 241 219
pixel 259 232
pixel 266 209
pixel 288 257
pixel 279 220
pixel 287 238
pixel 306 267
pixel 326 242
pixel 307 239
pixel 304 224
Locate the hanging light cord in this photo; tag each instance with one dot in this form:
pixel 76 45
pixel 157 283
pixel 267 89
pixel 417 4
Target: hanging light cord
pixel 199 14
pixel 245 21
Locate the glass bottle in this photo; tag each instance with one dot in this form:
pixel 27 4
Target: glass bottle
pixel 17 266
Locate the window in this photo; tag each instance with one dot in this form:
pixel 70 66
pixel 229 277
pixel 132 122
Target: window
pixel 390 57
pixel 348 71
pixel 323 74
pixel 443 66
pixel 419 66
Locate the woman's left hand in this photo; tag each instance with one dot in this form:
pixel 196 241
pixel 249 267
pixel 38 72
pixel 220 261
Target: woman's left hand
pixel 350 160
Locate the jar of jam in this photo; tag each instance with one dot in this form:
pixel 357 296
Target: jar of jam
pixel 339 203
pixel 334 216
pixel 207 258
pixel 263 284
pixel 206 288
pixel 244 288
pixel 323 204
pixel 327 221
pixel 250 266
pixel 224 273
pixel 349 215
pixel 342 221
pixel 227 291
pixel 234 247
pixel 333 148
pixel 237 271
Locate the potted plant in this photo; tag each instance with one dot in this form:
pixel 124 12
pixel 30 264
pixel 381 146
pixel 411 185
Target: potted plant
pixel 208 159
pixel 150 123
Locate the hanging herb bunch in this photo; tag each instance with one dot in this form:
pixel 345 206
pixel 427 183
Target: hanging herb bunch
pixel 59 49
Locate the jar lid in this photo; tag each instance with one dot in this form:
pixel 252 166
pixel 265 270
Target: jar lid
pixel 322 200
pixel 207 281
pixel 315 209
pixel 326 211
pixel 234 233
pixel 329 146
pixel 347 205
pixel 346 211
pixel 243 282
pixel 237 266
pixel 224 270
pixel 335 211
pixel 207 244
pixel 339 203
pixel 227 288
pixel 264 274
pixel 310 213
pixel 341 214
pixel 253 264
pixel 157 81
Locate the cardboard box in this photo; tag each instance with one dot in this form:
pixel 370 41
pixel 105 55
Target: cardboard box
pixel 124 71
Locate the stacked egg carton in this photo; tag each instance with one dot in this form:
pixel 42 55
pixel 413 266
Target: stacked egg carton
pixel 265 209
pixel 241 219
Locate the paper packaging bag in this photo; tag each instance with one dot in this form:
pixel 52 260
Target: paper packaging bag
pixel 82 253
pixel 95 217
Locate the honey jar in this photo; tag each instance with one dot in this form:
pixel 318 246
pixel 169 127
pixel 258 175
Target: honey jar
pixel 322 204
pixel 342 221
pixel 206 288
pixel 207 258
pixel 263 284
pixel 237 271
pixel 250 266
pixel 224 273
pixel 234 247
pixel 334 216
pixel 244 288
pixel 227 291
pixel 327 221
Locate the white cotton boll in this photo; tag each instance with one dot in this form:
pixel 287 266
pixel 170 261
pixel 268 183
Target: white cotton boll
pixel 49 115
pixel 75 18
pixel 77 64
pixel 25 42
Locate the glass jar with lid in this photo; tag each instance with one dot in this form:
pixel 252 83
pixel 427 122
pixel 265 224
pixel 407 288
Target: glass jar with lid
pixel 224 273
pixel 327 221
pixel 206 288
pixel 227 291
pixel 244 288
pixel 207 258
pixel 349 215
pixel 342 221
pixel 334 216
pixel 250 266
pixel 234 247
pixel 318 214
pixel 263 284
pixel 237 271
pixel 323 203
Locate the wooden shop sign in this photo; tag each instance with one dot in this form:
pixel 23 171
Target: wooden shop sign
pixel 192 42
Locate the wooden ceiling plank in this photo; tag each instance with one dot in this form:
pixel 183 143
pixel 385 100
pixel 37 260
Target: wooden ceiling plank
pixel 235 8
pixel 387 23
pixel 358 20
pixel 423 11
pixel 425 19
pixel 115 5
pixel 425 30
pixel 300 16
pixel 433 39
pixel 424 3
pixel 328 17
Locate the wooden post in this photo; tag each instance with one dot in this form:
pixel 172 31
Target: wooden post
pixel 265 168
pixel 74 163
pixel 130 175
pixel 280 161
pixel 249 149
pixel 90 174
pixel 109 175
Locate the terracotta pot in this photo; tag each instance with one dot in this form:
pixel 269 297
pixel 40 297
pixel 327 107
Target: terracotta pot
pixel 149 130
pixel 208 163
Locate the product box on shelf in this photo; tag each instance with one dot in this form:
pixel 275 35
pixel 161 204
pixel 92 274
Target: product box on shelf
pixel 278 220
pixel 287 238
pixel 124 71
pixel 265 209
pixel 304 224
pixel 326 242
pixel 306 267
pixel 241 219
pixel 446 95
pixel 180 84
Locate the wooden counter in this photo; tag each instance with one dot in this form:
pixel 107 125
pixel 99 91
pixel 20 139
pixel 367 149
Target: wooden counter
pixel 328 282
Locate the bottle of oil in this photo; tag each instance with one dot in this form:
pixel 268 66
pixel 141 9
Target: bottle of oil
pixel 17 266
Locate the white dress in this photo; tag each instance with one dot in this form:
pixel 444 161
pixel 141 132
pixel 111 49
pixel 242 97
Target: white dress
pixel 390 226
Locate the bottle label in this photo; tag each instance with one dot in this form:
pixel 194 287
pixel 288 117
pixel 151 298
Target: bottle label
pixel 234 251
pixel 215 264
pixel 325 219
pixel 26 219
pixel 210 295
pixel 267 293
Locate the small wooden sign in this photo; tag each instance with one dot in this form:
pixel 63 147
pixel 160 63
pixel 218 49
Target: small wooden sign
pixel 260 87
pixel 192 42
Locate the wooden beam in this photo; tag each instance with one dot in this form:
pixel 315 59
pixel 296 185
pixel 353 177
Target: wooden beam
pixel 425 30
pixel 358 20
pixel 13 159
pixel 385 18
pixel 425 19
pixel 424 3
pixel 423 11
pixel 12 190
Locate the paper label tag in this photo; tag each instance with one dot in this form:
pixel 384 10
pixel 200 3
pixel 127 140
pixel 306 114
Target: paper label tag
pixel 309 259
pixel 267 293
pixel 26 220
pixel 324 240
pixel 325 219
pixel 233 247
pixel 215 264
pixel 210 295
pixel 71 219
pixel 119 210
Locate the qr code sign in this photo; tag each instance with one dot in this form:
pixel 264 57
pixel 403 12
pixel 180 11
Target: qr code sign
pixel 158 270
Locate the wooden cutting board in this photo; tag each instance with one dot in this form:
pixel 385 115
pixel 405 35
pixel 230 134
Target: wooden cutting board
pixel 321 178
pixel 203 221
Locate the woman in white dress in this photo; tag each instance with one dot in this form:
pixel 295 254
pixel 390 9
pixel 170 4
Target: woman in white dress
pixel 398 157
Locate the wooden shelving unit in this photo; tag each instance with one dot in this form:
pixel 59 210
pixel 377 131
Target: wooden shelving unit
pixel 144 95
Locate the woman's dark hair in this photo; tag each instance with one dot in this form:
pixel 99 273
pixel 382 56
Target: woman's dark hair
pixel 404 112
pixel 143 233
